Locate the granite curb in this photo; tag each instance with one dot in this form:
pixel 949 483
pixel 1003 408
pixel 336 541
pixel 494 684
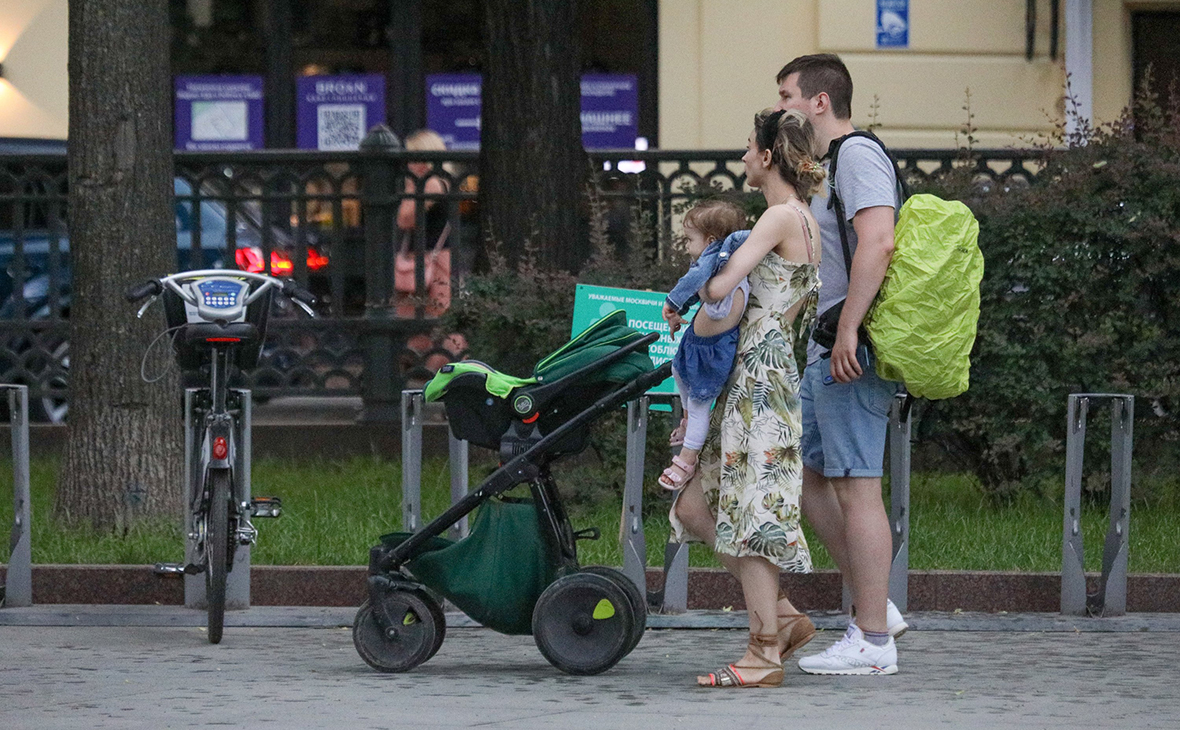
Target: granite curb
pixel 709 589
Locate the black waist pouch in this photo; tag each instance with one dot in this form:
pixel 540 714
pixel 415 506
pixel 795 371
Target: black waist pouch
pixel 828 323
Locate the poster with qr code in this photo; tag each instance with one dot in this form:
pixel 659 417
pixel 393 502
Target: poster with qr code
pixel 334 113
pixel 340 126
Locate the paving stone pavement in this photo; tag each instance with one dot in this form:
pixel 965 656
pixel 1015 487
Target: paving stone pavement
pixel 161 677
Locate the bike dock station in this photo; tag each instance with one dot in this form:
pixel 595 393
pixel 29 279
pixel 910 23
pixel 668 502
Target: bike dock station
pixel 1111 598
pixel 17 590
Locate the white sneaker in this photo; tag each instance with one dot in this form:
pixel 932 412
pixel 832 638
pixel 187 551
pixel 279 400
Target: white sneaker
pixel 853 655
pixel 894 622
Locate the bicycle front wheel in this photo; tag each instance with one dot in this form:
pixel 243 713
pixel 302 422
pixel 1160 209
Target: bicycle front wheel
pixel 217 551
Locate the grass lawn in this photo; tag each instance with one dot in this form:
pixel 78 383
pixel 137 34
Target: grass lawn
pixel 335 510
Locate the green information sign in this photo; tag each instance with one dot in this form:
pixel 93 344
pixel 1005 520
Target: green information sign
pixel 643 310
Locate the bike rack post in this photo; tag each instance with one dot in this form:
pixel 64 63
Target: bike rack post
pixel 899 498
pixel 18 588
pixel 899 505
pixel 237 583
pixel 411 459
pixel 673 597
pixel 457 451
pixel 634 542
pixel 1111 598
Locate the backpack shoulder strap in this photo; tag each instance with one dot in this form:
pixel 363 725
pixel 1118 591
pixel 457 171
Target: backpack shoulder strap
pixel 834 199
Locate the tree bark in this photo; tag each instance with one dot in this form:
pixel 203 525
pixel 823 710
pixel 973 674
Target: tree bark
pixel 533 169
pixel 124 453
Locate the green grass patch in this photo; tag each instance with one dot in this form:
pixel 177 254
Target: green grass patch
pixel 333 511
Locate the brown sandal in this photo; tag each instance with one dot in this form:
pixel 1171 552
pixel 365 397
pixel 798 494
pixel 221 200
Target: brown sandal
pixel 794 631
pixel 731 675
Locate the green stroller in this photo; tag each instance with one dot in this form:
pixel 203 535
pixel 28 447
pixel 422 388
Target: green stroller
pixel 517 572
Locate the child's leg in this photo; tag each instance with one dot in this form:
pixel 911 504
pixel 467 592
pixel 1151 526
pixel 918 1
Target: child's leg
pixel 696 416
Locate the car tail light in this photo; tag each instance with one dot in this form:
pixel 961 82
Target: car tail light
pixel 315 260
pixel 249 259
pixel 280 264
pixel 220 448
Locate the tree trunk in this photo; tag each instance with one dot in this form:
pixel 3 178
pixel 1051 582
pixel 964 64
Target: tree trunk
pixel 124 454
pixel 533 169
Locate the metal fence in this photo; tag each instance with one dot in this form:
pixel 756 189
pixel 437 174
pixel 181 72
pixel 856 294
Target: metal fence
pixel 330 220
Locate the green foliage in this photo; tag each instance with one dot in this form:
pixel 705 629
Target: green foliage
pixel 1079 296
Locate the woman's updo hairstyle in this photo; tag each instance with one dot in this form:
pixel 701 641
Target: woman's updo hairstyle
pixel 790 138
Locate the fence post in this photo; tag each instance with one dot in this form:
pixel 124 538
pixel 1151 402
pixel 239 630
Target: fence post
pixel 381 184
pixel 18 587
pixel 1111 599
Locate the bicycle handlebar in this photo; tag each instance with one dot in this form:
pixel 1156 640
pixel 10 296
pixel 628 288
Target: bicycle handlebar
pixel 153 287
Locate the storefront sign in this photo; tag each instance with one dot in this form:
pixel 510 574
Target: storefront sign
pixel 453 104
pixel 214 113
pixel 609 110
pixel 643 309
pixel 335 112
pixel 893 23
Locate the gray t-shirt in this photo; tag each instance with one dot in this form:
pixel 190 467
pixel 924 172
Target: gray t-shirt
pixel 864 179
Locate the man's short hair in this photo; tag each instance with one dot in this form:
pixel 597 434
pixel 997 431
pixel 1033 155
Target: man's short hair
pixel 823 72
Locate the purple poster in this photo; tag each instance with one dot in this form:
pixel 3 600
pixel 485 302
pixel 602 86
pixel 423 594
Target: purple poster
pixel 453 108
pixel 335 112
pixel 218 113
pixel 610 111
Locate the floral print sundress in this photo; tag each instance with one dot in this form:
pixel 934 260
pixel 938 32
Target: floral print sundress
pixel 751 465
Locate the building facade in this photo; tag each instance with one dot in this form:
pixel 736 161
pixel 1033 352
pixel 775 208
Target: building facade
pixel 705 66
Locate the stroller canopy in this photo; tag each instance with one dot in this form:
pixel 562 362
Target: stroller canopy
pixel 595 342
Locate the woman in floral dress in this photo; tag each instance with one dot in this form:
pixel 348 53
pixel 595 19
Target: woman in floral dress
pixel 745 497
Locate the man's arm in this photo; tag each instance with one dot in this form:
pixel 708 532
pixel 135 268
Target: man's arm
pixel 874 251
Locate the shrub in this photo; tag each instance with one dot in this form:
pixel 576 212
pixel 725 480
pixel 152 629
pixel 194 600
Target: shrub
pixel 1079 295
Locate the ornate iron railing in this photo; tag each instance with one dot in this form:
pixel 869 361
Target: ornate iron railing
pixel 331 221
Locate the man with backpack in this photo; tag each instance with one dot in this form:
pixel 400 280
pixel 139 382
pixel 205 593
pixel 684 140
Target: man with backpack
pixel 845 404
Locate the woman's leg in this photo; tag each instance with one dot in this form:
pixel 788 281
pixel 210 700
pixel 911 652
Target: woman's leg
pixel 693 512
pixel 760 587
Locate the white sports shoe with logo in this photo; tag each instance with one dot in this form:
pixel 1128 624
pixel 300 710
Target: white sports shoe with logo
pixel 853 655
pixel 894 621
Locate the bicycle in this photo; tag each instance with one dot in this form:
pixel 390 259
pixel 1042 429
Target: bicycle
pixel 218 320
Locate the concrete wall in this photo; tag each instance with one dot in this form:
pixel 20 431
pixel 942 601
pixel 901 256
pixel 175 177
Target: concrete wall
pixel 718 59
pixel 34 90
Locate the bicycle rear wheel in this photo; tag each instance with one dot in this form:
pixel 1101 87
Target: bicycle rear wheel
pixel 217 551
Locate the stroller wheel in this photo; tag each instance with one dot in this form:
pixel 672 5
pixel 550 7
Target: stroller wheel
pixel 583 623
pixel 440 619
pixel 409 637
pixel 638 605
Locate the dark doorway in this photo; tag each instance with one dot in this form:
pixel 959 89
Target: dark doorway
pixel 1156 38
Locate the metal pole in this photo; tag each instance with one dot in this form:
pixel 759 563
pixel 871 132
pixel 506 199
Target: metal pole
pixel 411 414
pixel 194 585
pixel 1073 575
pixel 899 497
pixel 631 529
pixel 237 583
pixel 382 375
pixel 1113 589
pixel 675 593
pixel 457 449
pixel 18 588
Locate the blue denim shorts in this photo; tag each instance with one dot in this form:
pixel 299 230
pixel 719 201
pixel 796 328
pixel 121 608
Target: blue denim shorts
pixel 844 425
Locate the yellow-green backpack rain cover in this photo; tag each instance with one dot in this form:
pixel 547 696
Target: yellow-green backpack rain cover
pixel 923 321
